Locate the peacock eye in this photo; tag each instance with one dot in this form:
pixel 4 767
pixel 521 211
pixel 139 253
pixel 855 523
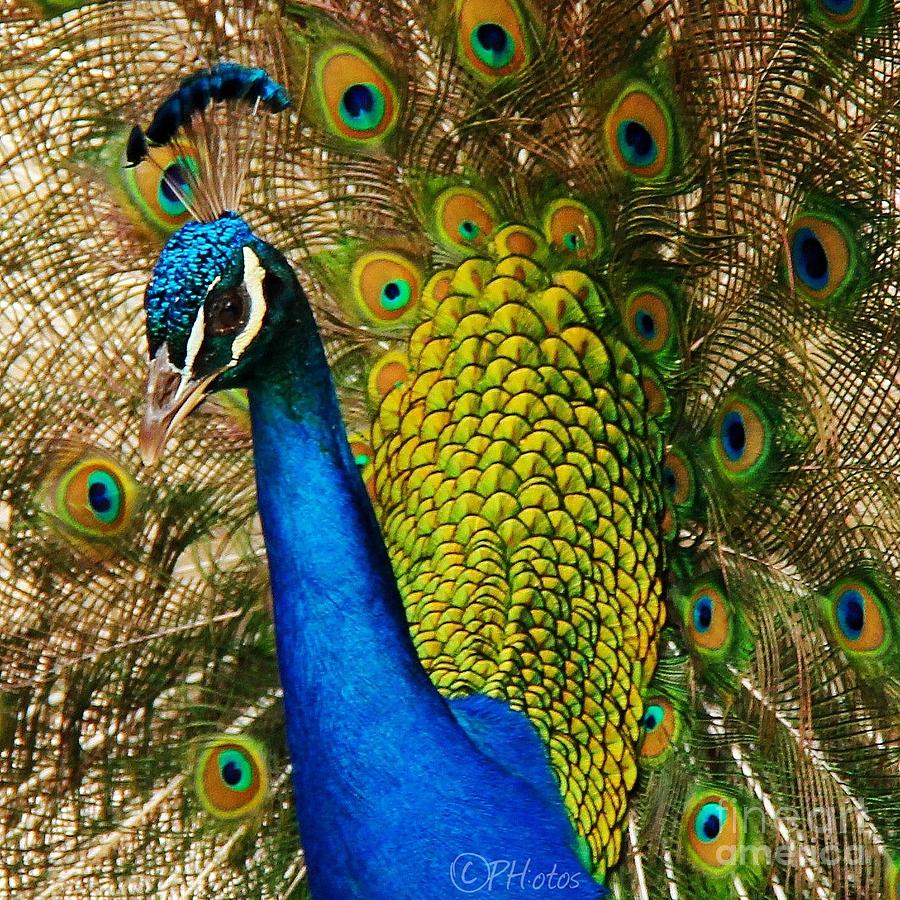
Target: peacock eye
pixel 362 107
pixel 709 821
pixel 649 319
pixel 572 228
pixel 823 256
pixel 174 189
pixel 92 498
pixel 715 833
pixel 228 312
pixel 159 191
pixel 493 45
pixel 386 286
pixel 464 217
pixel 703 614
pixel 661 727
pixel 640 133
pixel 708 620
pixel 858 619
pixel 231 777
pixel 742 439
pixel 492 37
pixel 360 104
pixel 678 478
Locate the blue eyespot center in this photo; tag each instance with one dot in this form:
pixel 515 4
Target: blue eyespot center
pixel 710 821
pixel 231 774
pixel 636 143
pixel 670 480
pixel 810 259
pixel 839 7
pixel 395 294
pixel 703 613
pixel 174 182
pixel 104 496
pixel 362 106
pixel 358 99
pixel 851 614
pixel 645 324
pixel 653 718
pixel 492 37
pixel 734 436
pixel 235 769
pixel 573 241
pixel 99 498
pixel 493 44
pixel 468 230
pixel 175 187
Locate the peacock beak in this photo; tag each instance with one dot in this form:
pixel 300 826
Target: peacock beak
pixel 171 395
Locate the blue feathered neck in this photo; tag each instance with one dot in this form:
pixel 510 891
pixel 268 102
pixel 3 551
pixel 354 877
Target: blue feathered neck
pixel 397 795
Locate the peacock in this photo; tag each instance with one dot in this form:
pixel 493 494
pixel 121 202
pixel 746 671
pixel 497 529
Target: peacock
pixel 450 449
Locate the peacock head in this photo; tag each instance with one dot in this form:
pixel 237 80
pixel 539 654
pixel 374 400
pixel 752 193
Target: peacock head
pixel 217 296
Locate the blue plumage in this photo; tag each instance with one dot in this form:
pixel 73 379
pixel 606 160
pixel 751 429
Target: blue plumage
pixel 398 795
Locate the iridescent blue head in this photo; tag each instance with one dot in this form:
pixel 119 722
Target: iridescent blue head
pixel 217 295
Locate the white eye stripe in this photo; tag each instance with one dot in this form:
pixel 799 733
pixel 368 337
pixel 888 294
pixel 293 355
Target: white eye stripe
pixel 253 281
pixel 195 339
pixel 254 275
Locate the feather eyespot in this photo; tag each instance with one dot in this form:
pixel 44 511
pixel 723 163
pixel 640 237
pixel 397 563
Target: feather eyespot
pixel 648 319
pixel 492 37
pixel 161 187
pixel 640 133
pixel 823 256
pixel 858 618
pixel 661 728
pixel 714 831
pixel 571 228
pixel 708 620
pixel 389 372
pixel 91 499
pixel 678 478
pixel 231 777
pixel 741 439
pixel 464 217
pixel 357 100
pixel 387 286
